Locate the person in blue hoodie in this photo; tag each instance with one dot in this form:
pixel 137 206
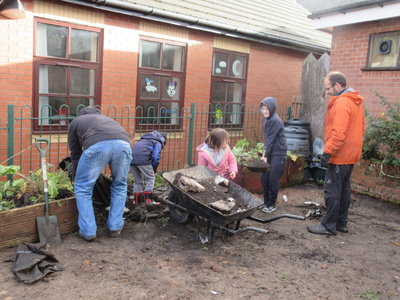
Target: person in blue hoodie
pixel 275 152
pixel 146 154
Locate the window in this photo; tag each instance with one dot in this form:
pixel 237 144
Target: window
pixel 67 66
pixel 228 89
pixel 384 51
pixel 161 81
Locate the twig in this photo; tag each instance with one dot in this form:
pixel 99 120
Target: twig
pixel 24 177
pixel 387 175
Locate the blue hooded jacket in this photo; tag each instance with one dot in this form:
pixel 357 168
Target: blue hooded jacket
pixel 147 151
pixel 274 130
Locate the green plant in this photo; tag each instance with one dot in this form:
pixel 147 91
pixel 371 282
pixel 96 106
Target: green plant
pixel 159 181
pixel 163 221
pixel 244 150
pixel 29 189
pixel 382 135
pixel 370 295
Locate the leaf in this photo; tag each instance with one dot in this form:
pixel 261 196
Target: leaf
pixel 53 189
pixel 8 170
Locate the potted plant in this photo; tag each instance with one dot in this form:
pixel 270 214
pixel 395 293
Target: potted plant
pixel 245 151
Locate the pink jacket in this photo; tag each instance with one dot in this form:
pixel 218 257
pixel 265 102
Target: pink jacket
pixel 227 165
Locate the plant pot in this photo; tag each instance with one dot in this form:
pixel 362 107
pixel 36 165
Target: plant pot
pixel 19 224
pixel 248 180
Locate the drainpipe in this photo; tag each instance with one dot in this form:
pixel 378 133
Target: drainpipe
pixel 155 14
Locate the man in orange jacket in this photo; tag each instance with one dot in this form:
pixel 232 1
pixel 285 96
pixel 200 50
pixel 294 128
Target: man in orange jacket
pixel 343 138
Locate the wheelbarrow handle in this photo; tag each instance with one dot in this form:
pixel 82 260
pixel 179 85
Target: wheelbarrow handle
pixel 39 142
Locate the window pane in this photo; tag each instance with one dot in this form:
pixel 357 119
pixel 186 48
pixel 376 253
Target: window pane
pixel 172 57
pixel 49 108
pixel 220 65
pixel 51 40
pixel 169 113
pixel 217 114
pixel 82 81
pixel 237 66
pixel 384 51
pixel 218 91
pixel 76 104
pixel 233 114
pixel 52 79
pixel 170 88
pixel 150 55
pixel 84 45
pixel 234 93
pixel 150 87
pixel 147 112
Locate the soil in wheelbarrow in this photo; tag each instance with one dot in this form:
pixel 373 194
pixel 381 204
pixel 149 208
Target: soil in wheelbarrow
pixel 214 192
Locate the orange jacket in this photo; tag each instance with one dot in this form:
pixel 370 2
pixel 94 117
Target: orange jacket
pixel 344 128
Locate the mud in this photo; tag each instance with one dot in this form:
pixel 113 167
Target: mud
pixel 159 259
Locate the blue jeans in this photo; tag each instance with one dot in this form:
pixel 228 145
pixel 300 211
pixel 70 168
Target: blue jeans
pixel 118 155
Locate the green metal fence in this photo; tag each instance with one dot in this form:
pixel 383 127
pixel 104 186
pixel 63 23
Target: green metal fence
pixel 186 129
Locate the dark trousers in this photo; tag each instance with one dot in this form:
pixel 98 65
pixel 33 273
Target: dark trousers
pixel 270 180
pixel 337 194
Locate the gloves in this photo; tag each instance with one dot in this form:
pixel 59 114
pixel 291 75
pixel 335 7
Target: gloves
pixel 325 159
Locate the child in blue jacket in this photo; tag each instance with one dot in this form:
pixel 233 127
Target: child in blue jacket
pixel 146 154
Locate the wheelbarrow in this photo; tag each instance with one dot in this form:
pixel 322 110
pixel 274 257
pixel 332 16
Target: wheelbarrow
pixel 183 207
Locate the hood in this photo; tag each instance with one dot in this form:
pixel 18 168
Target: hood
pixel 89 110
pixel 155 135
pixel 348 93
pixel 270 102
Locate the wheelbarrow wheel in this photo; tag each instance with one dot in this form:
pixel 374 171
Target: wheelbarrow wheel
pixel 178 215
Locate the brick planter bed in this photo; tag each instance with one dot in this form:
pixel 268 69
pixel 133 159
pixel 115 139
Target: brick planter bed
pixel 368 180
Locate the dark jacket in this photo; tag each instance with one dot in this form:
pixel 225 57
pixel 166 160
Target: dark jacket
pixel 274 131
pixel 147 151
pixel 89 128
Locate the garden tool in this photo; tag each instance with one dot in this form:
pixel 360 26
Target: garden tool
pixel 47 225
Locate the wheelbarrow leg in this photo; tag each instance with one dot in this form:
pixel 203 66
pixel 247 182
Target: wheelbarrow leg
pixel 206 237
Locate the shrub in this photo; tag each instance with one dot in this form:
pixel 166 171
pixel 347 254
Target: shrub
pixel 382 136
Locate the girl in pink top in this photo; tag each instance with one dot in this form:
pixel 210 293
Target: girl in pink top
pixel 216 154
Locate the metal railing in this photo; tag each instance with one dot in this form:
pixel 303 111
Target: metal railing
pixel 186 129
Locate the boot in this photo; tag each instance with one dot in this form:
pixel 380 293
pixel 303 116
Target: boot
pixel 149 198
pixel 139 198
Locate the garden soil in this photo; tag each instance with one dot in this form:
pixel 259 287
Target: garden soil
pixel 159 259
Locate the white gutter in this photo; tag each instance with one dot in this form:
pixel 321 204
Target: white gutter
pixel 358 16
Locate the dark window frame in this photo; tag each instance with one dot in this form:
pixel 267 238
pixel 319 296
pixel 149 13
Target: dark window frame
pixel 372 36
pixel 68 63
pixel 162 73
pixel 228 79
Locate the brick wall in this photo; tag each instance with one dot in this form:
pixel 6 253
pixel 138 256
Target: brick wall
pixel 349 54
pixel 367 179
pixel 272 71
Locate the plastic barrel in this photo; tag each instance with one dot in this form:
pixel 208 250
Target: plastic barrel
pixel 297 140
pixel 302 124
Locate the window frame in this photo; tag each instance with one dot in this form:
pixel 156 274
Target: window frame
pixel 228 79
pixel 372 36
pixel 160 72
pixel 68 63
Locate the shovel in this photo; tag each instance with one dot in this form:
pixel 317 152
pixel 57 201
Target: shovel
pixel 47 225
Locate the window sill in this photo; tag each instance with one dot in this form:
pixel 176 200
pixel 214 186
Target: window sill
pixel 53 138
pixel 368 69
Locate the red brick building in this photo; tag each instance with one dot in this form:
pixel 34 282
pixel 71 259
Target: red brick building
pixel 160 56
pixel 365 45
